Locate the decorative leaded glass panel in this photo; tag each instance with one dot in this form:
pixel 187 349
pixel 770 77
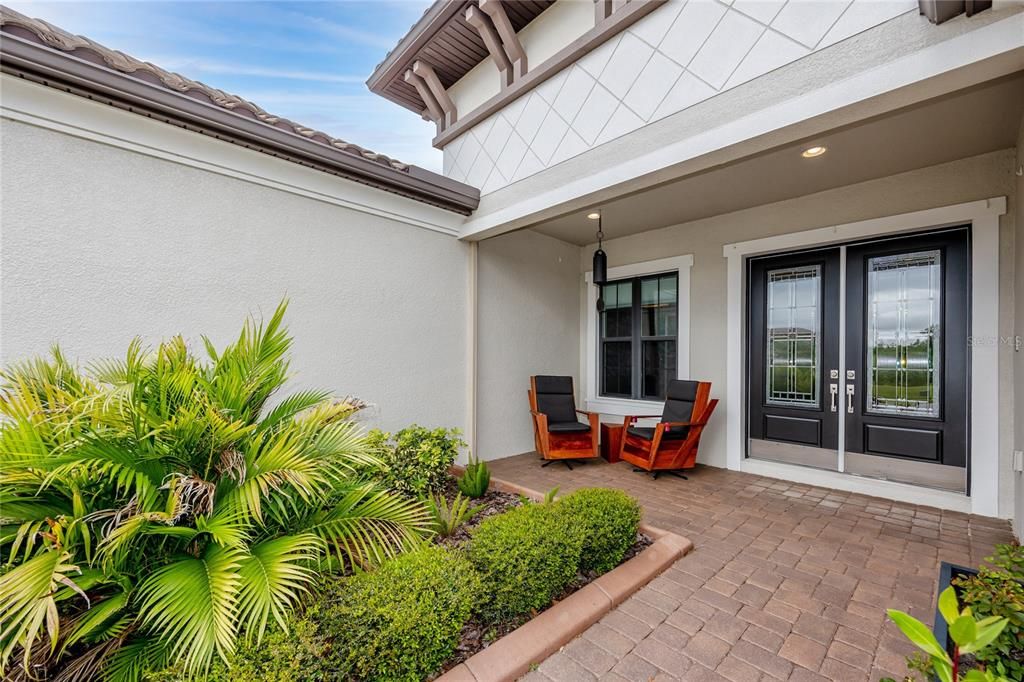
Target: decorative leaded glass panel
pixel 904 320
pixel 794 336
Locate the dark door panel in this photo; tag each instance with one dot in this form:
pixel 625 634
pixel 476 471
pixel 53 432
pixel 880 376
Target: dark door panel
pixel 908 321
pixel 923 444
pixel 793 429
pixel 793 324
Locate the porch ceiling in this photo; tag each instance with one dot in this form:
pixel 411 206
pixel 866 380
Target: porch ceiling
pixel 978 120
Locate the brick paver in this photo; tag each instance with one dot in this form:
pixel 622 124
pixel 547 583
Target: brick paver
pixel 787 581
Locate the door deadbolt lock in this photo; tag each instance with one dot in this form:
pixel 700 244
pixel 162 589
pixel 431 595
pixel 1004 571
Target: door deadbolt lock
pixel 833 374
pixel 849 398
pixel 851 375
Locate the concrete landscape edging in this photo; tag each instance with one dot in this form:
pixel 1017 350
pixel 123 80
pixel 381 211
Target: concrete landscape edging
pixel 513 655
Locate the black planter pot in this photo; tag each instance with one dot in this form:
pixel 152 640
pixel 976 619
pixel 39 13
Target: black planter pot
pixel 947 572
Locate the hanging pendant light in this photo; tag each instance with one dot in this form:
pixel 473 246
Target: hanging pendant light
pixel 600 270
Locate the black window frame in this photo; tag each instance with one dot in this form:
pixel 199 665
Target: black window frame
pixel 636 339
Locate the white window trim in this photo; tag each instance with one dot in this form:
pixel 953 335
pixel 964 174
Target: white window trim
pixel 588 329
pixel 983 465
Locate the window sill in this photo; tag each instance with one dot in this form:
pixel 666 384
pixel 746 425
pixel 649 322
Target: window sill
pixel 624 406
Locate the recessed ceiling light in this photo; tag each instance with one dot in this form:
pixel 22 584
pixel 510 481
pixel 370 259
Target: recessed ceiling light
pixel 593 216
pixel 811 152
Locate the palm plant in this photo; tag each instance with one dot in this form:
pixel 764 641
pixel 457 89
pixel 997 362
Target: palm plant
pixel 154 509
pixel 448 517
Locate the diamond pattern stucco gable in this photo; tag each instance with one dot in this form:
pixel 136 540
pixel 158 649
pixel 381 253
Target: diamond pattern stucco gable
pixel 626 64
pixel 807 21
pixel 651 86
pixel 725 48
pixel 677 56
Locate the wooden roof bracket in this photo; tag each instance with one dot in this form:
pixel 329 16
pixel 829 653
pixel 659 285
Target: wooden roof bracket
pixel 495 9
pixel 434 111
pixel 482 23
pixel 429 76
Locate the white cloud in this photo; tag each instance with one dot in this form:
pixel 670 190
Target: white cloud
pixel 191 66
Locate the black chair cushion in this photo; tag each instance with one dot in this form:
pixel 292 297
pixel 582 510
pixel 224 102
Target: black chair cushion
pixel 568 427
pixel 555 399
pixel 647 433
pixel 680 400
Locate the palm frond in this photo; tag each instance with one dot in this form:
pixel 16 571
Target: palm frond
pixel 227 526
pixel 119 464
pixel 342 445
pixel 103 621
pixel 193 604
pixel 291 406
pixel 282 464
pixel 368 525
pixel 129 661
pixel 275 575
pixel 28 604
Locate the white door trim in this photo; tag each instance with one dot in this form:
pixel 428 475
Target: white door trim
pixel 983 466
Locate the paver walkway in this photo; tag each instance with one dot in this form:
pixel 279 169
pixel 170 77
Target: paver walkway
pixel 787 581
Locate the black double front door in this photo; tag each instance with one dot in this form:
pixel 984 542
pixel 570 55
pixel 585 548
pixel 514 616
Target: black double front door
pixel 897 313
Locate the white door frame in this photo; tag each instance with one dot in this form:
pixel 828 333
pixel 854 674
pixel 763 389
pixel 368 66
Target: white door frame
pixel 983 463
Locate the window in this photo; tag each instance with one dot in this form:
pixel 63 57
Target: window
pixel 637 336
pixel 904 325
pixel 794 338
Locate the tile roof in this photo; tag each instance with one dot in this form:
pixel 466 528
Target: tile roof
pixel 55 37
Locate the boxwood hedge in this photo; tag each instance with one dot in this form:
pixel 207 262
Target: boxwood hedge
pixel 526 557
pixel 608 520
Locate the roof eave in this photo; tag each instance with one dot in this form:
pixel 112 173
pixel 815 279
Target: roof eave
pixel 25 58
pixel 433 19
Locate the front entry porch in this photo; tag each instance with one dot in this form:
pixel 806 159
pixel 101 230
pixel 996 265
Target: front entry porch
pixel 787 582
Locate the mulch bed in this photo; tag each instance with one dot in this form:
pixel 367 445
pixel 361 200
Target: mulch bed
pixel 478 635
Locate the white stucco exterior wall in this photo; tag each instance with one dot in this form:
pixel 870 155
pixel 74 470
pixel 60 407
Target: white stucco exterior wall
pixel 553 29
pixel 528 322
pixel 101 244
pixel 676 57
pixel 970 179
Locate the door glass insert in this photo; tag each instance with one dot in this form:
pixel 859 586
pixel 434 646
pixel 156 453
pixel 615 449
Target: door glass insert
pixel 903 297
pixel 794 336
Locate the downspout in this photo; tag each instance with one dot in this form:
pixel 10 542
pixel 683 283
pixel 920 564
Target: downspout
pixel 471 346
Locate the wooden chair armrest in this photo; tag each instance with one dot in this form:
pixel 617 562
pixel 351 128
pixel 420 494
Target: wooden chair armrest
pixel 586 412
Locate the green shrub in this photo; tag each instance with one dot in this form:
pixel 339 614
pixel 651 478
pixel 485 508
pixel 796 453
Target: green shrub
pixel 300 655
pixel 608 520
pixel 167 503
pixel 402 621
pixel 526 557
pixel 417 459
pixel 475 479
pixel 999 593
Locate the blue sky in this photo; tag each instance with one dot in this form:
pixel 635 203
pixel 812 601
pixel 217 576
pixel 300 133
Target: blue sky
pixel 307 61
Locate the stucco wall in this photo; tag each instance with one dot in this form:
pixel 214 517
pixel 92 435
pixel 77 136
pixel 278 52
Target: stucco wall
pixel 553 29
pixel 678 56
pixel 970 179
pixel 528 321
pixel 101 244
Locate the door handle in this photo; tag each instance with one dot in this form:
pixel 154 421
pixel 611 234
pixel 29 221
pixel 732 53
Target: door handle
pixel 833 389
pixel 849 398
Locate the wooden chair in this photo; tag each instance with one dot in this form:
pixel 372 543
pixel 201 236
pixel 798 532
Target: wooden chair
pixel 557 433
pixel 671 446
